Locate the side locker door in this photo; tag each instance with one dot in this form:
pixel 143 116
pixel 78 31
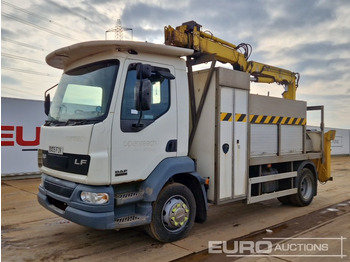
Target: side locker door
pixel 233 142
pixel 232 135
pixel 225 145
pixel 240 141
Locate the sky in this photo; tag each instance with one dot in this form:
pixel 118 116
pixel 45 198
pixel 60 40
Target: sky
pixel 309 37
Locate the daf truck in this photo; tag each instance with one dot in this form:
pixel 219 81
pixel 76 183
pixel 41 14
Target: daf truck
pixel 135 137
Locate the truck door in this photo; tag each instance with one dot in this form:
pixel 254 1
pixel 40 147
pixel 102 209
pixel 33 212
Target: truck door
pixel 141 140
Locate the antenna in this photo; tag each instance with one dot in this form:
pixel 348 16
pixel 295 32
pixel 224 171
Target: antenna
pixel 119 31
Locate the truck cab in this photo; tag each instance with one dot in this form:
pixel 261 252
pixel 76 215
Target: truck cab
pixel 116 134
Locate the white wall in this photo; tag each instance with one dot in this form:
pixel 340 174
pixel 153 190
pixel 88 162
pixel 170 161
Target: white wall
pixel 20 128
pixel 341 144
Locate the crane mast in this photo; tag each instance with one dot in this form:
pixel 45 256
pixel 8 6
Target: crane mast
pixel 189 35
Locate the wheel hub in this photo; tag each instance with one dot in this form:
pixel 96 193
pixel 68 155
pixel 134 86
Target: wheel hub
pixel 305 188
pixel 175 213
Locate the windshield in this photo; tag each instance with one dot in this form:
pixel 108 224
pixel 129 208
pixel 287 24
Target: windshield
pixel 84 93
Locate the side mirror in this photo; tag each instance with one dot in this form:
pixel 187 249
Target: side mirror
pixel 47 104
pixel 47 100
pixel 143 95
pixel 143 71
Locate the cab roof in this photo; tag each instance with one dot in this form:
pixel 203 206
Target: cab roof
pixel 62 57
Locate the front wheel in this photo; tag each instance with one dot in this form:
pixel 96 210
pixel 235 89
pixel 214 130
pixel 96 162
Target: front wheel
pixel 306 189
pixel 173 213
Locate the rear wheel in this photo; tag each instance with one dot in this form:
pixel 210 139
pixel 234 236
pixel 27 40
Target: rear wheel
pixel 306 189
pixel 173 213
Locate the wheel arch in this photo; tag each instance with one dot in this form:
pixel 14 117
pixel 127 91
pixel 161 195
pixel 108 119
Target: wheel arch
pixel 180 170
pixel 192 182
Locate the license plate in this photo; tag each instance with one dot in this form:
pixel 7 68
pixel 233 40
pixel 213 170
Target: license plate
pixel 58 150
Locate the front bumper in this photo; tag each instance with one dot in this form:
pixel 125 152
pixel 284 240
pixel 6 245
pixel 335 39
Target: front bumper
pixel 63 198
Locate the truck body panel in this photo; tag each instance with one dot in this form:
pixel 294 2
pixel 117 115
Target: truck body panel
pixel 219 146
pixel 270 116
pixel 238 130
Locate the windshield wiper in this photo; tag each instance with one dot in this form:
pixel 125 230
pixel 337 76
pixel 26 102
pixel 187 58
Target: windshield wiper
pixel 54 123
pixel 70 122
pixel 75 122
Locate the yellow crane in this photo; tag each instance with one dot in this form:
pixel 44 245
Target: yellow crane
pixel 189 35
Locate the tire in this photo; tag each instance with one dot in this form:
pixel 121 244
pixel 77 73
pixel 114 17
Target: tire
pixel 173 213
pixel 306 189
pixel 285 200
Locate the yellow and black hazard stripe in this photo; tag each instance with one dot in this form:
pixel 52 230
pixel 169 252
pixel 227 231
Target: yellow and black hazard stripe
pixel 283 120
pixel 226 116
pixel 241 118
pixel 263 119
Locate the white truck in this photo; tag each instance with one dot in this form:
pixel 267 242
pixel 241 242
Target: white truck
pixel 134 137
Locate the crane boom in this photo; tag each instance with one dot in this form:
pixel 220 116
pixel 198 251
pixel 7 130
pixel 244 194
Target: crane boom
pixel 189 35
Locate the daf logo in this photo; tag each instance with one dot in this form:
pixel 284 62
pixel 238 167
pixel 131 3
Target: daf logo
pixel 121 172
pixel 80 162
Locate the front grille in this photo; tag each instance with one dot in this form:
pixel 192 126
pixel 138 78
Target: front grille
pixel 70 163
pixel 58 189
pixel 129 195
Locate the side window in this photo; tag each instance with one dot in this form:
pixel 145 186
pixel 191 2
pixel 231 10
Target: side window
pixel 160 100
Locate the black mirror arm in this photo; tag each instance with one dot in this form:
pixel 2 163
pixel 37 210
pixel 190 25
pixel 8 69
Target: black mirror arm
pixel 140 101
pixel 49 89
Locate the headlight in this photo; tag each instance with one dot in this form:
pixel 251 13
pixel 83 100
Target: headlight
pixel 94 198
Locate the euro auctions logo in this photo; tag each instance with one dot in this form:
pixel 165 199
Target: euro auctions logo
pixel 14 135
pixel 281 247
pixel 240 247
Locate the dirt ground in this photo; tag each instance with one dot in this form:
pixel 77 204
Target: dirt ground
pixel 31 233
